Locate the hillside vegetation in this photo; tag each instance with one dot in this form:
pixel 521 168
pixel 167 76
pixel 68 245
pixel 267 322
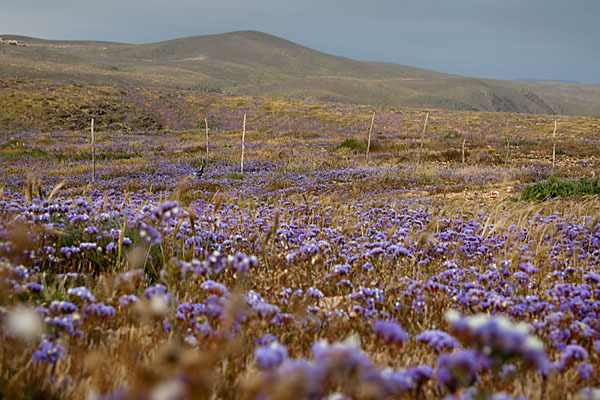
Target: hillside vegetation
pixel 258 64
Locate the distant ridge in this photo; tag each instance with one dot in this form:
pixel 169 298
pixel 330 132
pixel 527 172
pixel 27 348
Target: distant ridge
pixel 258 64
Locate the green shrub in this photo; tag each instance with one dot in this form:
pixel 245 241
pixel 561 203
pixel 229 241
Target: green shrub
pixel 555 187
pixel 235 175
pixel 353 145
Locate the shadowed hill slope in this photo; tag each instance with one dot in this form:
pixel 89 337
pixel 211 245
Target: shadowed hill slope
pixel 258 64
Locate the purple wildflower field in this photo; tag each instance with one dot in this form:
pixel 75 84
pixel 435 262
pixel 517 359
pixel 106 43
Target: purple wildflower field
pixel 315 273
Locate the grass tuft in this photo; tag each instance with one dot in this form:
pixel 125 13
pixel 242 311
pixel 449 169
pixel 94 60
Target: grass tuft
pixel 555 187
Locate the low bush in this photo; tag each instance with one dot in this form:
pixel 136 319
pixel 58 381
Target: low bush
pixel 555 187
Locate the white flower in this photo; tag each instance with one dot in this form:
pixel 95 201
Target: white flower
pixel 24 324
pixel 159 306
pixel 171 390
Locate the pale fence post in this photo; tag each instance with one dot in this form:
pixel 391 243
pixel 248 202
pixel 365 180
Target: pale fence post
pixel 554 146
pixel 206 129
pixel 93 154
pixel 507 144
pixel 463 149
pixel 243 144
pixel 423 138
pixel 369 142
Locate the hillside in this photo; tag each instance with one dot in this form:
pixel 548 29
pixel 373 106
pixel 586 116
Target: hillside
pixel 258 64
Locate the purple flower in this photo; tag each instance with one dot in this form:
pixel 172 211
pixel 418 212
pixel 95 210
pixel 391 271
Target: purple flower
pixel 152 291
pixel 242 263
pixel 88 246
pixel 166 211
pixel 507 371
pixel 571 353
pixel 271 355
pixel 149 234
pixel 314 292
pixel 63 307
pixel 420 373
pixel 214 287
pixel 100 310
pixel 500 337
pixel 528 268
pixel 592 277
pixel 83 293
pixel 266 340
pixel 390 332
pixel 459 369
pixel 79 217
pixel 437 339
pixel 91 230
pixel 127 299
pixel 47 352
pixel 343 356
pixel 34 287
pixel 585 370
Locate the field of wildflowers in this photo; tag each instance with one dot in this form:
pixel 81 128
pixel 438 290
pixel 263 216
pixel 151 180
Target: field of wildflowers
pixel 314 274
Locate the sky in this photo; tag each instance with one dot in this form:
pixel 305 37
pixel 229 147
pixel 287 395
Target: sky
pixel 500 39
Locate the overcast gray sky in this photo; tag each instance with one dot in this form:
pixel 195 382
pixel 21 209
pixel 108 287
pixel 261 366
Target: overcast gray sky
pixel 505 39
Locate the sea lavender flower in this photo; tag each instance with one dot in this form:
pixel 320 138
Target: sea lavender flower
pixel 500 338
pixel 190 341
pixel 585 370
pixel 437 339
pixel 63 307
pixel 91 230
pixel 158 289
pixel 392 382
pixel 314 292
pixel 149 234
pixel 83 293
pixel 592 278
pixel 34 287
pixel 99 310
pixel 127 299
pixel 266 340
pixel 77 218
pixel 166 211
pixel 507 372
pixel 390 332
pixel 528 268
pixel 214 287
pixel 242 263
pixel 459 369
pixel 571 353
pixel 270 355
pixel 88 246
pixel 420 373
pixel 341 269
pixel 47 352
pixel 343 356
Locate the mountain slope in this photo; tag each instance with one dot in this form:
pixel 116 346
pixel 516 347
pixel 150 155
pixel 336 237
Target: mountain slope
pixel 255 63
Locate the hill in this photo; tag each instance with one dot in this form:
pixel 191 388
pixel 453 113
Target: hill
pixel 258 64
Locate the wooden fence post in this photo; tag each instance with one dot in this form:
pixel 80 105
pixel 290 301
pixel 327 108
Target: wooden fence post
pixel 243 144
pixel 369 142
pixel 507 144
pixel 423 138
pixel 206 129
pixel 554 146
pixel 93 154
